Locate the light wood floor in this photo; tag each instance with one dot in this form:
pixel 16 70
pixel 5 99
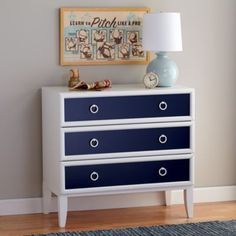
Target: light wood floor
pixel 115 218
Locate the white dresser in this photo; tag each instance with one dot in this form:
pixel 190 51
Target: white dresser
pixel 124 139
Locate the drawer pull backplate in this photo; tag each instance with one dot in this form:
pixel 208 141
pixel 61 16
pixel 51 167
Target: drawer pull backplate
pixel 163 106
pixel 162 139
pixel 162 171
pixel 94 109
pixel 94 142
pixel 94 176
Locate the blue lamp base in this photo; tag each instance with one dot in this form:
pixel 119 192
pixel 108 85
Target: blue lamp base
pixel 165 68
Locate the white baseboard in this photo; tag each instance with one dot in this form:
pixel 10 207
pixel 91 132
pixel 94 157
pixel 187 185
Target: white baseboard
pixel 34 205
pixel 209 194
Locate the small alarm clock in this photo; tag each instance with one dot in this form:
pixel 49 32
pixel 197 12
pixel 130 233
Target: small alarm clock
pixel 150 80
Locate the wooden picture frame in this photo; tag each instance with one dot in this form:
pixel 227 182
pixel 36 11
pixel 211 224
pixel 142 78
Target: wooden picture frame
pixel 97 36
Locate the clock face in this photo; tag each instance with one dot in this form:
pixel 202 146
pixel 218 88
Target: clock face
pixel 151 80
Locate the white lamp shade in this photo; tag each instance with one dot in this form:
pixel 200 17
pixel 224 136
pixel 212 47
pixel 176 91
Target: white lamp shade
pixel 162 32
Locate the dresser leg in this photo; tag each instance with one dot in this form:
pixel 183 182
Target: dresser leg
pixel 188 201
pixel 62 210
pixel 47 197
pixel 167 198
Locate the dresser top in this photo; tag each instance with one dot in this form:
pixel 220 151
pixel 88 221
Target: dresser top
pixel 119 89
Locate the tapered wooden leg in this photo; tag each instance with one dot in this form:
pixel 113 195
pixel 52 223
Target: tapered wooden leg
pixel 62 210
pixel 188 201
pixel 47 197
pixel 167 198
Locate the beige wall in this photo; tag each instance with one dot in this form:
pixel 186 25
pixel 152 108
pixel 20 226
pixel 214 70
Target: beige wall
pixel 29 52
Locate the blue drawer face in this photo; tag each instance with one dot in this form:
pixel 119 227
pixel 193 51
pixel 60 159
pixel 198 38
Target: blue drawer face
pixel 78 143
pixel 126 173
pixel 102 108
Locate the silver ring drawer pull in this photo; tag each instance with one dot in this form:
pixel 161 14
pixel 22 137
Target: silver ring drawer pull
pixel 163 106
pixel 94 108
pixel 94 142
pixel 162 171
pixel 94 176
pixel 162 139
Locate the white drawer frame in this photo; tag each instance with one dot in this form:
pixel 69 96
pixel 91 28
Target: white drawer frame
pixel 125 154
pixel 163 91
pixel 125 188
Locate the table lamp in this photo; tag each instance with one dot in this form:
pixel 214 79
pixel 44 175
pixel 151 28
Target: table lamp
pixel 162 34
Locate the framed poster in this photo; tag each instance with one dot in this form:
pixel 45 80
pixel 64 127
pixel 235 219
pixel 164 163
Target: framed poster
pixel 93 36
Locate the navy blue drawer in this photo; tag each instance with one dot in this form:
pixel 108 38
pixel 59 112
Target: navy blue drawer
pixel 129 140
pixel 126 173
pixel 126 107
